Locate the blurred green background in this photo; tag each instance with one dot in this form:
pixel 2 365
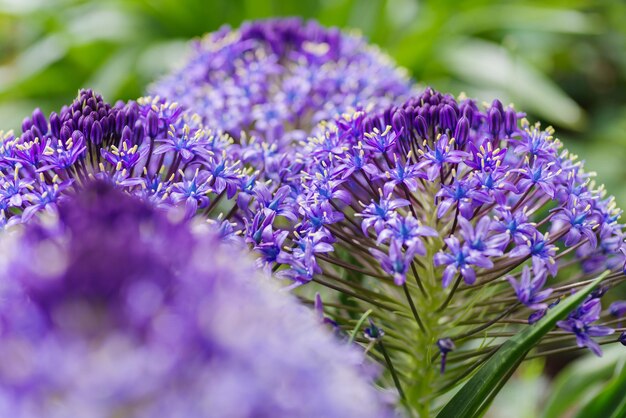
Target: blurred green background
pixel 564 62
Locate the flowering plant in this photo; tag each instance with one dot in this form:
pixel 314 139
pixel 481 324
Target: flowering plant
pixel 458 227
pixel 449 240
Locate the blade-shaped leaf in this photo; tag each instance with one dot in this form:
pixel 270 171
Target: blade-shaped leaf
pixel 583 376
pixel 610 402
pixel 485 384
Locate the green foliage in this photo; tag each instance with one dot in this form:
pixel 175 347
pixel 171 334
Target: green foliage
pixel 480 390
pixel 591 386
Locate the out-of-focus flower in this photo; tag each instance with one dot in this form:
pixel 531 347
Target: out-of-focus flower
pixel 112 310
pixel 276 80
pixel 452 224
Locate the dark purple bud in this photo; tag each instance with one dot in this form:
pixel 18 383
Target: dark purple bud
pixel 111 118
pixel 553 304
pixel 81 123
pixel 91 103
pixel 132 114
pixel 618 309
pixel 387 115
pixel 447 117
pixel 462 131
pixel 433 115
pixel 104 123
pixel 494 118
pixel 96 133
pixel 510 121
pixel 70 124
pixel 445 345
pixel 64 113
pixel 498 105
pixel 55 124
pixel 153 124
pixel 120 122
pixel 39 120
pixel 87 125
pixel 421 126
pixel 622 338
pixel 77 137
pixel 26 124
pixel 27 137
pixel 398 121
pixel 138 132
pixel 127 134
pixel 536 316
pixel 65 133
pixel 598 293
pixel 76 116
pixel 425 113
pixel 87 110
pixel 36 132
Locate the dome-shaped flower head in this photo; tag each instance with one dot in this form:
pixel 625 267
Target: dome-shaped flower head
pixel 112 310
pixel 452 223
pixel 276 79
pixel 150 148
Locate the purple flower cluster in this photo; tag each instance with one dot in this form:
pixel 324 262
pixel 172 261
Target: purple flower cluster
pixel 474 211
pixel 150 148
pixel 276 80
pixel 490 188
pixel 101 318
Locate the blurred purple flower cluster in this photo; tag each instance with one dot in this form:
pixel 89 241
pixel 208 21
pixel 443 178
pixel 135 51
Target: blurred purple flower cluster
pixel 111 309
pixel 275 80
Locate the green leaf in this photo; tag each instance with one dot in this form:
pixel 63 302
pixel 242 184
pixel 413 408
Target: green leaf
pixel 581 378
pixel 610 402
pixel 494 67
pixel 480 390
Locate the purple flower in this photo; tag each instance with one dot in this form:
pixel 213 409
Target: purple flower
pixel 460 258
pixel 538 174
pixel 541 251
pixel 580 322
pixel 514 225
pixel 187 144
pixel 442 153
pixel 101 284
pixel 193 191
pixel 529 289
pixel 580 224
pixel 407 231
pixel 462 196
pixel 405 174
pixel 479 238
pixel 377 214
pixel 380 141
pixel 396 262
